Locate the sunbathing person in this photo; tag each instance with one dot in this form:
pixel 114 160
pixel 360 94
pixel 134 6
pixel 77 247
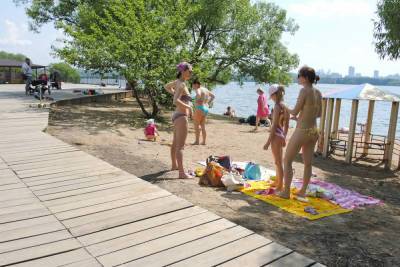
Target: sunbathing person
pixel 203 98
pixel 182 102
pixel 279 129
pixel 305 136
pixel 230 112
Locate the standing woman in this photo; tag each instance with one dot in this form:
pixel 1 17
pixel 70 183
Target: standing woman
pixel 182 102
pixel 305 136
pixel 203 98
pixel 262 108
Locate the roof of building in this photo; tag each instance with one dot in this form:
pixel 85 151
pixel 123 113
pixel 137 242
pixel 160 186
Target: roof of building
pixel 17 64
pixel 364 91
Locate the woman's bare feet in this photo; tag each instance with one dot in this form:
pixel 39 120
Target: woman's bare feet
pixel 185 176
pixel 174 168
pixel 282 194
pixel 195 144
pixel 203 144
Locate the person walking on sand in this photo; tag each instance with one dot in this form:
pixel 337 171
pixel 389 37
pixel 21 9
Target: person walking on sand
pixel 182 102
pixel 262 108
pixel 279 129
pixel 203 98
pixel 305 136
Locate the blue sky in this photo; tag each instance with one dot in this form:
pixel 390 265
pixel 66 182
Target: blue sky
pixel 333 35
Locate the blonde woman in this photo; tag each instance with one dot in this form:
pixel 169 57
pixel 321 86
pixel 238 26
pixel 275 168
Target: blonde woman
pixel 305 136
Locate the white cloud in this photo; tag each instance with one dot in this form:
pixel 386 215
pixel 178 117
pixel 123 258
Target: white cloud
pixel 333 8
pixel 14 34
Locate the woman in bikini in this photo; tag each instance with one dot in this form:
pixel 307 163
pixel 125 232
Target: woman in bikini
pixel 279 129
pixel 203 97
pixel 305 136
pixel 182 101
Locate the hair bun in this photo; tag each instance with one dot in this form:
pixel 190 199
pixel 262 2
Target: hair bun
pixel 316 78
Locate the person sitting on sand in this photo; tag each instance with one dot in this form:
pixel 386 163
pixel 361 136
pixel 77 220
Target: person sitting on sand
pixel 279 130
pixel 203 98
pixel 182 102
pixel 262 108
pixel 305 136
pixel 150 131
pixel 230 112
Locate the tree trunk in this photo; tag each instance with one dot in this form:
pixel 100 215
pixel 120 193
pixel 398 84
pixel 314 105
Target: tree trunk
pixel 133 85
pixel 153 100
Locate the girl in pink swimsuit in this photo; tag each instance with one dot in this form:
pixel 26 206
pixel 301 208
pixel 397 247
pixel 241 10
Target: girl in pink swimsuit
pixel 262 108
pixel 279 129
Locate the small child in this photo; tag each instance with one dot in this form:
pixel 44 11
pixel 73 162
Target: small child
pixel 279 129
pixel 150 131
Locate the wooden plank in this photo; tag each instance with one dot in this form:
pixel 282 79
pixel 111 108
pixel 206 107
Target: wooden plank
pixel 90 189
pixel 111 205
pixel 53 163
pixel 85 263
pixel 92 195
pixel 260 256
pixel 61 182
pixel 226 252
pixel 34 241
pixel 17 202
pixel 182 252
pixel 70 257
pixel 66 155
pixel 293 259
pixel 23 215
pixel 328 127
pixel 135 252
pixel 352 131
pixel 151 234
pixel 138 226
pixel 70 175
pixel 20 208
pixel 368 127
pixel 15 194
pixel 38 251
pixel 335 130
pixel 82 185
pixel 26 223
pixel 9 186
pixel 391 136
pixel 120 216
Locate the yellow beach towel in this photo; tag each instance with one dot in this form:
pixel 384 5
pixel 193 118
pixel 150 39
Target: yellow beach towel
pixel 322 206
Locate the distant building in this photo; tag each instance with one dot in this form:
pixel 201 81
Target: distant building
pixel 376 74
pixel 352 71
pixel 357 75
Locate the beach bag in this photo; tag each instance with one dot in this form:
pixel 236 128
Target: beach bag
pixel 252 120
pixel 224 161
pixel 256 172
pixel 212 175
pixel 232 182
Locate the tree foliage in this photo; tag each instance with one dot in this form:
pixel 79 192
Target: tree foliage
pixel 387 29
pixel 144 40
pixel 12 56
pixel 67 73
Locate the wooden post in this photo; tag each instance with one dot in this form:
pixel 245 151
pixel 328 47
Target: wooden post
pixel 322 126
pixel 367 136
pixel 328 127
pixel 352 131
pixel 391 135
pixel 335 129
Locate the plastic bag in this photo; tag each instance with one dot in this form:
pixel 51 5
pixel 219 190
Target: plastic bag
pixel 231 181
pixel 257 172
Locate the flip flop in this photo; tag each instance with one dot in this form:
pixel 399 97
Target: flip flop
pixel 301 199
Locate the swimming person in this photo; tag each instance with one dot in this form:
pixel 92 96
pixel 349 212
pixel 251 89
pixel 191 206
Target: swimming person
pixel 305 136
pixel 203 98
pixel 262 108
pixel 182 102
pixel 279 129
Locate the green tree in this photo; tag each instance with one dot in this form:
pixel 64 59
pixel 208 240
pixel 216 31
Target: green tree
pixel 11 56
pixel 143 40
pixel 67 73
pixel 387 29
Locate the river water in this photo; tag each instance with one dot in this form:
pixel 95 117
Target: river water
pixel 244 100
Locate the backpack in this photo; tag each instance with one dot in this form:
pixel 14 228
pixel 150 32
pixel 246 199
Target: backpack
pixel 224 161
pixel 212 175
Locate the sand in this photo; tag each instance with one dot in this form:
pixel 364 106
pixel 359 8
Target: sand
pixel 365 237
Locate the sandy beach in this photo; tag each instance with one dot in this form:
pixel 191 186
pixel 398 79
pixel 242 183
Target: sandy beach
pixel 364 237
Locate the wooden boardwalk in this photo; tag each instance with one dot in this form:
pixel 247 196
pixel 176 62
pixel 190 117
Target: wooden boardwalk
pixel 62 207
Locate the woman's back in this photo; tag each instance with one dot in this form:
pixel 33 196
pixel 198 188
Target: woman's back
pixel 311 109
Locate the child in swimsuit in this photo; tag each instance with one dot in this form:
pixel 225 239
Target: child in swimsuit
pixel 277 136
pixel 150 131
